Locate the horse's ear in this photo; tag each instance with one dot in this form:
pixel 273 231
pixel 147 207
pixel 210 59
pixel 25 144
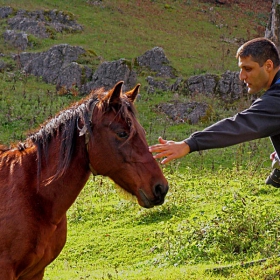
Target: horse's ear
pixel 131 95
pixel 115 93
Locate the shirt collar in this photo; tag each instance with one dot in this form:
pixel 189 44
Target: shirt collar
pixel 276 77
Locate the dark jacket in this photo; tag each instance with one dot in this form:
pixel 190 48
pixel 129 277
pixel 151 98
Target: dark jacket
pixel 261 120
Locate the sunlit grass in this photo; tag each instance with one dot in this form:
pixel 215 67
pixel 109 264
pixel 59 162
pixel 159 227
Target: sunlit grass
pixel 218 210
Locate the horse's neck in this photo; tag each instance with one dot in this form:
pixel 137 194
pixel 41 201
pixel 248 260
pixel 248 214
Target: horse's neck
pixel 61 193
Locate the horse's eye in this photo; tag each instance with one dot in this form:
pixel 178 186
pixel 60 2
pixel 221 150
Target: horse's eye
pixel 122 134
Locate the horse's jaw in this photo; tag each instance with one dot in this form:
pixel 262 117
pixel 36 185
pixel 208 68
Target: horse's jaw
pixel 144 202
pixel 125 194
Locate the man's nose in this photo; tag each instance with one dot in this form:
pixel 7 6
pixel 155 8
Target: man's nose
pixel 242 75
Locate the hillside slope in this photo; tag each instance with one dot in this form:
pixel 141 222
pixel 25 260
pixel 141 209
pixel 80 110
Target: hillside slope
pixel 197 35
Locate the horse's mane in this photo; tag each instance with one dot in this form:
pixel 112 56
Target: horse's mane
pixel 65 125
pixel 3 149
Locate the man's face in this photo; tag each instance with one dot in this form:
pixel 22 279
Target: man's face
pixel 255 76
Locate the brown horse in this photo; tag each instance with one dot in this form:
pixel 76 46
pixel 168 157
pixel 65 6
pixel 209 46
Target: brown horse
pixel 41 178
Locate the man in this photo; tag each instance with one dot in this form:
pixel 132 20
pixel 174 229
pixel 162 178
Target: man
pixel 259 64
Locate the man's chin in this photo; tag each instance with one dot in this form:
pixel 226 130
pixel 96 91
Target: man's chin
pixel 252 90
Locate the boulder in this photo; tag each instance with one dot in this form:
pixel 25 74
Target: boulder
pixel 205 84
pixel 190 112
pixel 5 12
pixel 59 66
pixel 40 23
pixel 109 73
pixel 18 40
pixel 53 65
pixel 227 86
pixel 156 61
pixel 3 66
pixel 156 85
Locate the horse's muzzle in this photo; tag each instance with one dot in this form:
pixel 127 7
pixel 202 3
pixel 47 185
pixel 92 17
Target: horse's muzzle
pixel 159 192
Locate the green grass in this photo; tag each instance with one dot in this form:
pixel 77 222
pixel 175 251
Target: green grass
pixel 25 103
pixel 210 219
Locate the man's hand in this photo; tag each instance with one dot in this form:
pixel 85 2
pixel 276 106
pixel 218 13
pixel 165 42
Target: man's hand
pixel 169 150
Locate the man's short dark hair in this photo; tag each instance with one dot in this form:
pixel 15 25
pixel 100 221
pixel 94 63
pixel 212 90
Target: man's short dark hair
pixel 260 49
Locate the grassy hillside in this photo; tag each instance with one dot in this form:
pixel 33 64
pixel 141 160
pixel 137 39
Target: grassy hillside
pixel 218 211
pixel 197 36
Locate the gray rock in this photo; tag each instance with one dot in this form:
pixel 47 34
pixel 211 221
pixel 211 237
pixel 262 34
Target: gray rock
pixel 59 66
pixel 155 85
pixel 39 23
pixel 2 65
pixel 156 61
pixel 205 84
pixel 70 76
pixel 5 12
pixel 53 65
pixel 109 73
pixel 16 39
pixel 229 87
pixel 191 112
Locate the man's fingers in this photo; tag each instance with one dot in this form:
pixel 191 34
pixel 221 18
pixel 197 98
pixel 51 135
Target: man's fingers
pixel 161 140
pixel 166 160
pixel 156 149
pixel 161 154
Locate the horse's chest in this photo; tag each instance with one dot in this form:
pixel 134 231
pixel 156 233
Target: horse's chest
pixel 47 245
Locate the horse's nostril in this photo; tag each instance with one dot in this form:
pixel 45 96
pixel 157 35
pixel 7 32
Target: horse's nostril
pixel 160 191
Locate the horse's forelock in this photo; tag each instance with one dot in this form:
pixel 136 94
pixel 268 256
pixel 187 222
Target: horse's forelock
pixel 128 113
pixel 124 109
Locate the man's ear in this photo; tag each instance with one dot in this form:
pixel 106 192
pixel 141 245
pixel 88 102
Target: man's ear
pixel 269 65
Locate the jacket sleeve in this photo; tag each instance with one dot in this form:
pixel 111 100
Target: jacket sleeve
pixel 262 119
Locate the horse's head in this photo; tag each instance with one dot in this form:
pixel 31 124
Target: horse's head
pixel 118 148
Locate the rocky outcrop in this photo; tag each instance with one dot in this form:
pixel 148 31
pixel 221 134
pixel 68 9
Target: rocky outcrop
pixel 155 85
pixel 205 84
pixel 227 86
pixel 156 61
pixel 230 87
pixel 59 66
pixel 53 64
pixel 109 73
pixel 42 24
pixel 190 112
pixel 5 12
pixel 19 40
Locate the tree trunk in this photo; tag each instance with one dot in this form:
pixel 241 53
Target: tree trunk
pixel 272 31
